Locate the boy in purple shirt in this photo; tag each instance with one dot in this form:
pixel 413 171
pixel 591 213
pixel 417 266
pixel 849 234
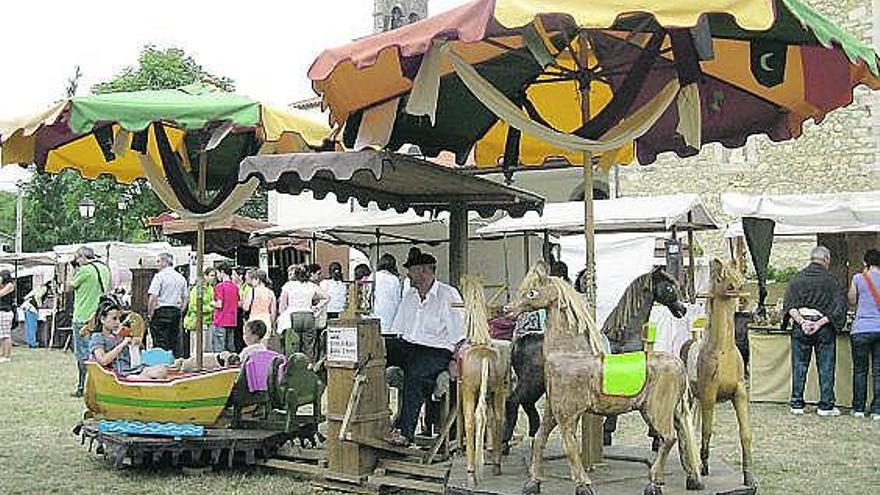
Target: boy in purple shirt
pixel 225 312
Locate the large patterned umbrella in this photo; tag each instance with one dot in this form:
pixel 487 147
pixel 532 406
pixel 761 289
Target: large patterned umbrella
pixel 753 67
pixel 185 141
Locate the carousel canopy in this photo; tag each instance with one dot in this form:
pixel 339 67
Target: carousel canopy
pixel 391 180
pixel 642 214
pixel 222 235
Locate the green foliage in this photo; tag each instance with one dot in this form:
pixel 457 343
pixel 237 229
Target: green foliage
pixel 158 68
pixel 7 216
pixel 783 274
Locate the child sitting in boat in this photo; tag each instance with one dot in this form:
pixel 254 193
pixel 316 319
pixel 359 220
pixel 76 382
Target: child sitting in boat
pixel 109 346
pixel 254 331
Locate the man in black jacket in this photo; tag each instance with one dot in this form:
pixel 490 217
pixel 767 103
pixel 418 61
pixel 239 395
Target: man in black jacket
pixel 815 304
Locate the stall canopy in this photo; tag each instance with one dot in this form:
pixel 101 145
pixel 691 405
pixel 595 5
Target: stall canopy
pixel 765 216
pixel 126 254
pixel 642 214
pixel 221 236
pixel 391 180
pixel 810 213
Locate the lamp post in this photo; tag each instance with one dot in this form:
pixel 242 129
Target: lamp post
pixel 86 211
pixel 121 206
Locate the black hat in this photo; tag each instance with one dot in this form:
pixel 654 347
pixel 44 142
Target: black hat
pixel 416 257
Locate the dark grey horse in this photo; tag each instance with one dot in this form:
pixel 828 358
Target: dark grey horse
pixel 623 329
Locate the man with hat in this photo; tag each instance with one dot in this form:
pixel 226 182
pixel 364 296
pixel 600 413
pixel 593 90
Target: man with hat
pixel 430 322
pixel 90 281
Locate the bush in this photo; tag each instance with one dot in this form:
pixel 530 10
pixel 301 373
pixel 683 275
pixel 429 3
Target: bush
pixel 781 275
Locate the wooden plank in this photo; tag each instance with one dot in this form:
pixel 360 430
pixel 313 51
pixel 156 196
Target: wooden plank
pixel 422 470
pixel 295 467
pixel 408 484
pixel 382 445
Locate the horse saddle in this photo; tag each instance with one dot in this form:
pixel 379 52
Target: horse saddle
pixel 624 375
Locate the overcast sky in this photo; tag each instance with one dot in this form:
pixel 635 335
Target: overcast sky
pixel 265 46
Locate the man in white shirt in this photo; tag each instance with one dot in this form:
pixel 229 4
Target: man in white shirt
pixel 167 302
pixel 431 326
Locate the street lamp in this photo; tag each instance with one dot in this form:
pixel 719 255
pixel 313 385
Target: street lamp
pixel 86 208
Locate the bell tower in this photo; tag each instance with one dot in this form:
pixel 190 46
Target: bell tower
pixel 391 14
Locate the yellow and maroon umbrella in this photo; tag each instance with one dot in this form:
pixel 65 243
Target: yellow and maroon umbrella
pixel 754 67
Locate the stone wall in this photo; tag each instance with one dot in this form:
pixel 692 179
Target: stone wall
pixel 840 154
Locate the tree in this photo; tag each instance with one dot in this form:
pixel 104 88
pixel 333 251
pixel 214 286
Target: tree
pixel 51 212
pixel 162 69
pixel 7 217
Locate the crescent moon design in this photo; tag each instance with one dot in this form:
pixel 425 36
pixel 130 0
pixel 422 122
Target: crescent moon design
pixel 764 62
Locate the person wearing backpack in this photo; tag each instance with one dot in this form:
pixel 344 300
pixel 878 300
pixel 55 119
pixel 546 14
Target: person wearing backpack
pixel 864 293
pixel 90 281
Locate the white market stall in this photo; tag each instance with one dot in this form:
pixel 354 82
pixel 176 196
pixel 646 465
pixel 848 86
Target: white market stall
pixel 848 223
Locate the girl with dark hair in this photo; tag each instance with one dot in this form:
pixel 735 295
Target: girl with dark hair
pixel 388 263
pixel 335 289
pixel 299 301
pixel 362 272
pixel 864 293
pixel 7 315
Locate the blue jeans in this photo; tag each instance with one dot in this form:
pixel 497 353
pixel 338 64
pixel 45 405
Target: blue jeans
pixel 865 346
pixel 421 367
pixel 824 343
pixel 30 324
pixel 81 351
pixel 218 338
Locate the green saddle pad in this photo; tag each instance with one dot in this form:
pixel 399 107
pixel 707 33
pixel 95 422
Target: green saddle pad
pixel 624 374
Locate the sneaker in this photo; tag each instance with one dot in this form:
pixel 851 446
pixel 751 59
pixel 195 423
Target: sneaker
pixel 4 360
pixel 397 439
pixel 828 412
pixel 797 411
pixel 858 414
pixel 875 417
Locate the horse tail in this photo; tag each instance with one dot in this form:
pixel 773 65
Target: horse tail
pixel 476 315
pixel 481 418
pixel 684 425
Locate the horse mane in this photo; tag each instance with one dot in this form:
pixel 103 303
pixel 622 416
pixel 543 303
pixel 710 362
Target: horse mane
pixel 476 323
pixel 629 305
pixel 570 302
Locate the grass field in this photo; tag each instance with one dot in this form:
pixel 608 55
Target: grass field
pixel 39 454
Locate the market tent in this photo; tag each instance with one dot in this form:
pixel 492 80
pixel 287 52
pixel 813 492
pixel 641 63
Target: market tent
pixel 801 232
pixel 127 254
pixel 28 260
pixel 223 235
pixel 638 214
pixel 816 213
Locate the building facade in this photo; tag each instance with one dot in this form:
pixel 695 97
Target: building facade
pixel 391 14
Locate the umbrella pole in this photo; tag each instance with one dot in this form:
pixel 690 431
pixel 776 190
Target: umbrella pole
pixel 692 284
pixel 200 262
pixel 591 425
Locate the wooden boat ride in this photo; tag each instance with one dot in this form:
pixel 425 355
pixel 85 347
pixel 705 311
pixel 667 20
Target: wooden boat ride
pixel 197 398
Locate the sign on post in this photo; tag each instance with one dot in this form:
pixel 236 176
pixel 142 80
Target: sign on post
pixel 342 344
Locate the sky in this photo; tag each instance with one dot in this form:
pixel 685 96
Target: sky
pixel 265 46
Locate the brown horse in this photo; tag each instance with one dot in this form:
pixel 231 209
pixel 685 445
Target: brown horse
pixel 715 365
pixel 573 373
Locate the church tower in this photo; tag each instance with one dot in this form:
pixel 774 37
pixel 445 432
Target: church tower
pixel 391 14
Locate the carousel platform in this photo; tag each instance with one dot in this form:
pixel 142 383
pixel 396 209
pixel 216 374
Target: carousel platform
pixel 615 476
pixel 216 447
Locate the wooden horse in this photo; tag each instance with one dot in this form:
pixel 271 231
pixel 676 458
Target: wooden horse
pixel 484 383
pixel 715 366
pixel 574 366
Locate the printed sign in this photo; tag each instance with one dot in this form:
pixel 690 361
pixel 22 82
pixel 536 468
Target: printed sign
pixel 342 344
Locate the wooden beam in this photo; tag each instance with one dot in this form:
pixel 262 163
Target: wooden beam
pixel 458 242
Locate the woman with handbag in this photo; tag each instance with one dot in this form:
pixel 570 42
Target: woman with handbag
pixel 864 293
pixel 7 314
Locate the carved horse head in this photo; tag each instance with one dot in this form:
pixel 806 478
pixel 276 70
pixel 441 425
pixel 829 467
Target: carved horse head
pixel 725 281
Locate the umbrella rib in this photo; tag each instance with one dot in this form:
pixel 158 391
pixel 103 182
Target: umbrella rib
pixel 516 52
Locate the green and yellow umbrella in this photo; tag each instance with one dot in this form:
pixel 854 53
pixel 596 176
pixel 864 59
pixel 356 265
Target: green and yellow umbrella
pixel 185 141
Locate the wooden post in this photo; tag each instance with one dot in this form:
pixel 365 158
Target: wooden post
pixel 200 260
pixel 692 269
pixel 458 242
pixel 527 261
pixel 591 425
pixel 545 247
